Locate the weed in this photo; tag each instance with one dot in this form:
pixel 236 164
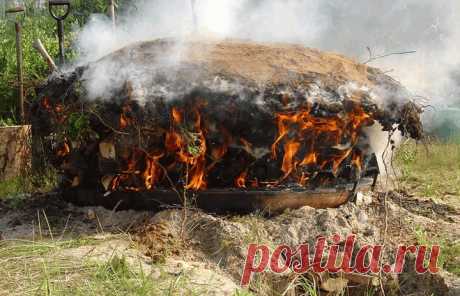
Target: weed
pixel 307 287
pixel 449 258
pixel 16 190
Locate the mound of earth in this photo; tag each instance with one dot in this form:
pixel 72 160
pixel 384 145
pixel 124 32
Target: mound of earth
pixel 258 63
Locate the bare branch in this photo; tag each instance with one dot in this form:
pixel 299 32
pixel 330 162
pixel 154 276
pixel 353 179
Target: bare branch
pixel 373 58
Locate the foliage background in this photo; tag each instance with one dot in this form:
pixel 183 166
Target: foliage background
pixel 37 23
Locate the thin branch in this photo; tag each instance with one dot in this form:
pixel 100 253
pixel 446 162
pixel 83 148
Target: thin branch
pixel 373 58
pixel 105 124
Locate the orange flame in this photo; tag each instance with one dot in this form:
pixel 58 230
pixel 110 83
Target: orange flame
pixel 152 171
pixel 310 159
pixel 338 159
pixel 240 181
pixel 289 163
pixel 125 120
pixel 115 184
pixel 357 160
pixel 45 103
pixel 304 127
pixel 64 150
pixel 300 141
pixel 197 174
pixel 190 149
pixel 176 115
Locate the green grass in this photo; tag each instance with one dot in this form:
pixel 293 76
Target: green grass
pixel 308 287
pixel 11 187
pixel 431 170
pixel 42 268
pixel 15 190
pixel 449 258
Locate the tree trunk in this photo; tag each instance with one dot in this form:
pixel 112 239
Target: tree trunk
pixel 15 155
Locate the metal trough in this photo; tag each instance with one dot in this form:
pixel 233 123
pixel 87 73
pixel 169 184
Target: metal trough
pixel 221 201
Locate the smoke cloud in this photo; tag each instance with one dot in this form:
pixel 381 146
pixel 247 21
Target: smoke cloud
pixel 343 26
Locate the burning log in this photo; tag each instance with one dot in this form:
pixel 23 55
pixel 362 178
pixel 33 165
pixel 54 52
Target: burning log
pixel 207 115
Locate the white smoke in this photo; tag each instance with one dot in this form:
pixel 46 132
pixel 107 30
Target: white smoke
pixel 344 26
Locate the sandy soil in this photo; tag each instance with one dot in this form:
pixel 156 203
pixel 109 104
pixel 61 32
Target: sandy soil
pixel 205 244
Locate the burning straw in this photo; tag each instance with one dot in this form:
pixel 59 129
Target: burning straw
pixel 254 121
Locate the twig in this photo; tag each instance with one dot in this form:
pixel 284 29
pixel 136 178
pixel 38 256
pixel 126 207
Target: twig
pixel 65 227
pixel 114 210
pixel 373 58
pixel 105 124
pixel 184 209
pixel 39 225
pixel 171 183
pixel 48 224
pixel 99 223
pixel 385 197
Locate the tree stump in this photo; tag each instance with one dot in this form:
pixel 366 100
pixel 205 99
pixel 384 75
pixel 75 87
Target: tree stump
pixel 15 151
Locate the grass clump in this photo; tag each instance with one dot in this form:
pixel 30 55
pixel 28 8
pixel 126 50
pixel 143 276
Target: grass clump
pixel 16 190
pixel 449 258
pixel 431 170
pixel 40 268
pixel 55 267
pixel 116 277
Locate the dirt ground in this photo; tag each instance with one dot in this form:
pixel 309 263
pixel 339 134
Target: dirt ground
pixel 211 249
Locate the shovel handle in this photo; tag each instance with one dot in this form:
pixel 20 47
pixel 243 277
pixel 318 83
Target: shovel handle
pixel 65 3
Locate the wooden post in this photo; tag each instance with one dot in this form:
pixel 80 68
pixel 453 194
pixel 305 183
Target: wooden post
pixel 20 72
pixel 111 12
pixel 38 45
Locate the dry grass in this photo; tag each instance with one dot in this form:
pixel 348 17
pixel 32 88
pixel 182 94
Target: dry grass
pixel 43 268
pixel 90 266
pixel 39 268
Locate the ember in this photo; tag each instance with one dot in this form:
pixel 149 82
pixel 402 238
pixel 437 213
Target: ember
pixel 297 131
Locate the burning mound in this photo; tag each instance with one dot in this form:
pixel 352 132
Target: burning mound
pixel 201 114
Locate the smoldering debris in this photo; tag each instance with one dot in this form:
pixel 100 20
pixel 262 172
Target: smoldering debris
pixel 224 114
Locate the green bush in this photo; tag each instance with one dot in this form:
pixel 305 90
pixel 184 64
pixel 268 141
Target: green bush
pixel 35 69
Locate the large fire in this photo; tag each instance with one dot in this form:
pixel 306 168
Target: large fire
pixel 244 116
pixel 301 131
pixel 305 144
